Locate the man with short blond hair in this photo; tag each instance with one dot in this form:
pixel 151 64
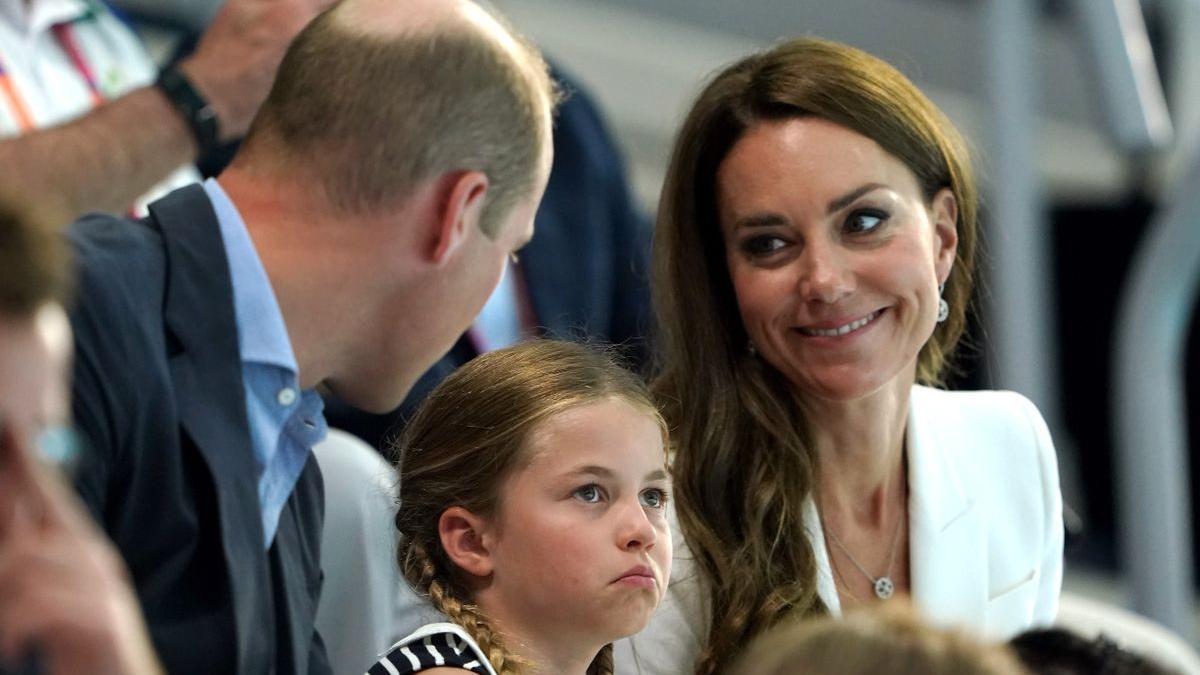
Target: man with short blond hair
pixel 394 167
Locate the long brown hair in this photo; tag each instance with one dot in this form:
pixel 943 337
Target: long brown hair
pixel 468 437
pixel 742 466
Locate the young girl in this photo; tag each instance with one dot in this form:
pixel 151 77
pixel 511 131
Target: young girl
pixel 533 488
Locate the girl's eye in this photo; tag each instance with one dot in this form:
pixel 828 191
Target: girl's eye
pixel 654 498
pixel 866 220
pixel 762 245
pixel 588 493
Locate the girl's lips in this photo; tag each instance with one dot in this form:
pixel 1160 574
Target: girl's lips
pixel 639 576
pixel 842 329
pixel 638 581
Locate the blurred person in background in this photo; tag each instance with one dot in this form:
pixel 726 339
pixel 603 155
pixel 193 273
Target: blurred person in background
pixel 1057 651
pixel 85 115
pixel 394 167
pixel 66 606
pixel 890 639
pixel 813 267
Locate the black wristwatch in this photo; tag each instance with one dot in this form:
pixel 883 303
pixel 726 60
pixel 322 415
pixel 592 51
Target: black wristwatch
pixel 194 109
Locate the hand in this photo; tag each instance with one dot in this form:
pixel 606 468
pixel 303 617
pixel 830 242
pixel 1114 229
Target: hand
pixel 64 591
pixel 234 64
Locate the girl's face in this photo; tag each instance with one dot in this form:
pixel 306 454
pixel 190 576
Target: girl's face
pixel 579 546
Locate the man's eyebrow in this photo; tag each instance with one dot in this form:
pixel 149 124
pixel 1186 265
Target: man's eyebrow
pixel 848 198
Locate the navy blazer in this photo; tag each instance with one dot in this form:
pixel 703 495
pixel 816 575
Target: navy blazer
pixel 170 473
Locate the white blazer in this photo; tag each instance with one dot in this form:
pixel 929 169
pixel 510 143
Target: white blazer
pixel 985 531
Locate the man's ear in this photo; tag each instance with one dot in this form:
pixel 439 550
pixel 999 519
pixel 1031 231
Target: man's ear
pixel 943 212
pixel 462 538
pixel 459 211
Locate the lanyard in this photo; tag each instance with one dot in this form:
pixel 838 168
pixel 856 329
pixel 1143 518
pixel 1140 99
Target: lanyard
pixel 66 39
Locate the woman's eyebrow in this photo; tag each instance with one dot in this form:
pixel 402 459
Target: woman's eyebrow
pixel 760 220
pixel 848 198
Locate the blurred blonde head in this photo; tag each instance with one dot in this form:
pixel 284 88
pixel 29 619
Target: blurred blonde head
pixel 892 639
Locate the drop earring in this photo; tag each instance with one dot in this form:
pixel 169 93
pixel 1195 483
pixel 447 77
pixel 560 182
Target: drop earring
pixel 943 306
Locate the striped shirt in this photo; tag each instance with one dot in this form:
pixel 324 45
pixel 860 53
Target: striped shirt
pixel 436 645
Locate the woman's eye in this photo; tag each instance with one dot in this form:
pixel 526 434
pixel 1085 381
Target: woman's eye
pixel 861 222
pixel 588 493
pixel 762 245
pixel 654 498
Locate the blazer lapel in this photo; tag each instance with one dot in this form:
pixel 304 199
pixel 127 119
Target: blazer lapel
pixel 947 537
pixel 826 587
pixel 212 411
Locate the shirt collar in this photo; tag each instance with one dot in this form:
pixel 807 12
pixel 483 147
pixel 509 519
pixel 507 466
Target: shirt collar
pixel 262 333
pixel 42 14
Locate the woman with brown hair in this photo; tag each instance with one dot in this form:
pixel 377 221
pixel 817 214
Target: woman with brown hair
pixel 533 491
pixel 813 266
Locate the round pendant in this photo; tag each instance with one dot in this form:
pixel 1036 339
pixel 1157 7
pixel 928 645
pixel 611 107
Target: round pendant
pixel 884 588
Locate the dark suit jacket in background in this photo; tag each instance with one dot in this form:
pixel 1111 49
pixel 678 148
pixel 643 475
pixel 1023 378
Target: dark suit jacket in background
pixel 170 473
pixel 585 268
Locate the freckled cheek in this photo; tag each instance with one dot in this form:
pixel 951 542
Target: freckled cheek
pixel 572 548
pixel 576 559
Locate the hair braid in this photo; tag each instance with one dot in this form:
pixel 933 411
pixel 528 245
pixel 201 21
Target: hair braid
pixel 422 574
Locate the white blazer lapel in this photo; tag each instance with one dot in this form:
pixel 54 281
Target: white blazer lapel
pixel 948 553
pixel 826 588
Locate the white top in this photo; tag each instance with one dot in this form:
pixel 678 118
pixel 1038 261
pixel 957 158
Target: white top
pixel 357 616
pixel 48 83
pixel 985 531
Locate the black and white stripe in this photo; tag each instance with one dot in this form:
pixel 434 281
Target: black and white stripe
pixel 425 649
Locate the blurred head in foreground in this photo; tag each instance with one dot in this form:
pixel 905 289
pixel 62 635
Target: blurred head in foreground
pixel 891 640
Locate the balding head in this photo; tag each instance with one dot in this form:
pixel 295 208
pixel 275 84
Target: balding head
pixel 392 17
pixel 376 96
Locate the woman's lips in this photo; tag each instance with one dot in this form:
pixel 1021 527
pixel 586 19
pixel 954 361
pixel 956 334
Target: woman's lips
pixel 837 330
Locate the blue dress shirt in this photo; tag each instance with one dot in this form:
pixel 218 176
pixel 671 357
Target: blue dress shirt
pixel 285 422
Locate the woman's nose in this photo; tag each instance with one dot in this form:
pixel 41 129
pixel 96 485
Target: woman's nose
pixel 824 275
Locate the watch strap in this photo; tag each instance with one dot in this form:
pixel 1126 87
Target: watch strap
pixel 191 106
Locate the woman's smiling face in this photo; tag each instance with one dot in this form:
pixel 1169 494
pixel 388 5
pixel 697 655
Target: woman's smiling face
pixel 834 254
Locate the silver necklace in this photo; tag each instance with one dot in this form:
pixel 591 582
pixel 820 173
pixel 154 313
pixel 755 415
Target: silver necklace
pixel 884 586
